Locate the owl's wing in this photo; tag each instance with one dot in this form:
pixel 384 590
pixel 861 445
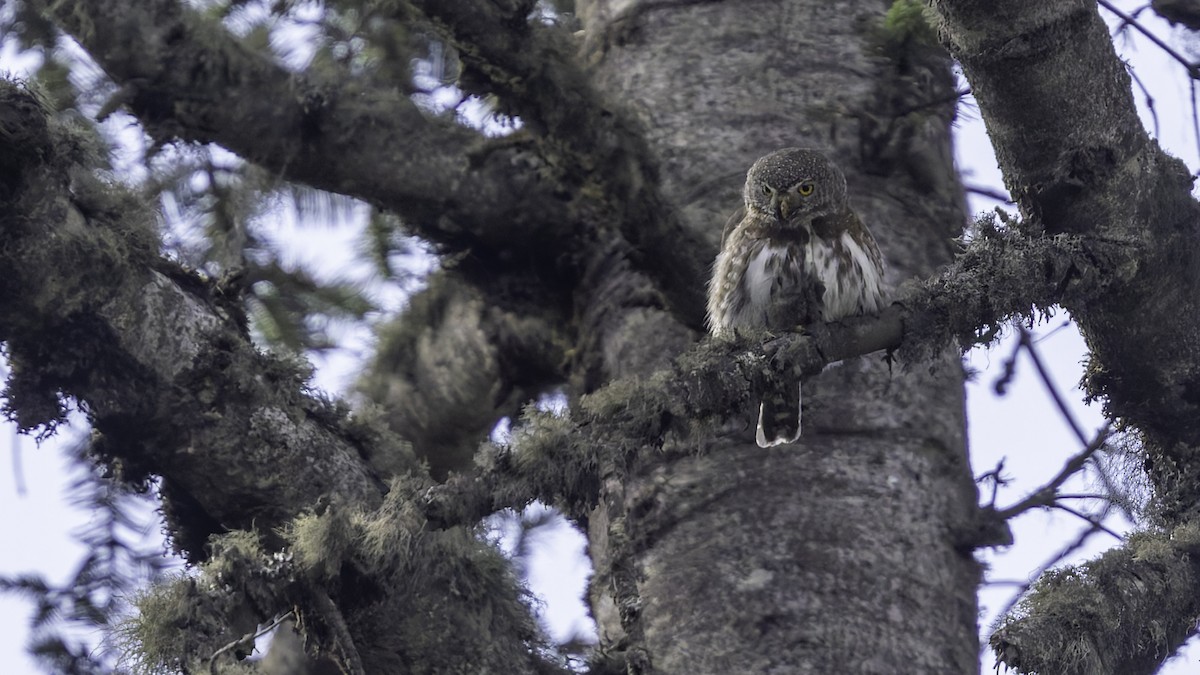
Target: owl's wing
pixel 733 222
pixel 831 226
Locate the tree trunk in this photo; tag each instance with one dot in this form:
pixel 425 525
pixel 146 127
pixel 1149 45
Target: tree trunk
pixel 1079 163
pixel 843 552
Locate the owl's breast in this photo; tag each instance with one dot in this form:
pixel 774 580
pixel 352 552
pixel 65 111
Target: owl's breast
pixel 764 285
pixel 763 271
pixel 851 273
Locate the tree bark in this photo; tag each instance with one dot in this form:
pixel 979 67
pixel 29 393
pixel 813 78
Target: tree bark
pixel 1077 160
pixel 748 560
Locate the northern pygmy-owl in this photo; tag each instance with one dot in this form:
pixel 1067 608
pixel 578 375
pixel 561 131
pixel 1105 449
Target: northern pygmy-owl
pixel 796 253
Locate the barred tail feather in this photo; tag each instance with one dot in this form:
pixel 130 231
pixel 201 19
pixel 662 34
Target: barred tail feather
pixel 779 418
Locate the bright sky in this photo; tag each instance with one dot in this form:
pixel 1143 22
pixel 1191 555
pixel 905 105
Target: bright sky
pixel 1022 428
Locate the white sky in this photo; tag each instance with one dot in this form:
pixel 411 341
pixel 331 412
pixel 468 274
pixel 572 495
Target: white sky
pixel 1021 428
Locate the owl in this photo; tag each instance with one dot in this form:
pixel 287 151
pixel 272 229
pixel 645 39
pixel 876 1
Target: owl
pixel 795 254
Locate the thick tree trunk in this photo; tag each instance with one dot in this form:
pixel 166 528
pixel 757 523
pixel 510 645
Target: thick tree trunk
pixel 840 553
pixel 1078 160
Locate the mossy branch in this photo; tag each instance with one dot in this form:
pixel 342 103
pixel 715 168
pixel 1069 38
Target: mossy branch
pixel 171 383
pixel 186 77
pixel 1123 613
pixel 1002 274
pixel 452 185
pixel 376 590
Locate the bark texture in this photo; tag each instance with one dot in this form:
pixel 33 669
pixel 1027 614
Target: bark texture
pixel 1077 160
pixel 166 369
pixel 741 560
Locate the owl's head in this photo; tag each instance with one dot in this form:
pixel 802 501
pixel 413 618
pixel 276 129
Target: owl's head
pixel 794 185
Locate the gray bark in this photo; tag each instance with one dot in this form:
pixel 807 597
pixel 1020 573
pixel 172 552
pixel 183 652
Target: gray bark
pixel 743 559
pixel 1077 160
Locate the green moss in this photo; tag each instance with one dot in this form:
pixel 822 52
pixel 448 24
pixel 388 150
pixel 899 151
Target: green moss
pixel 386 536
pixel 61 211
pixel 910 21
pixel 415 600
pixel 150 641
pixel 555 457
pixel 181 623
pixel 1132 605
pixel 319 544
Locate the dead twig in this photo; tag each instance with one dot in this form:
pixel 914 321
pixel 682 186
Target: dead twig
pixel 1026 342
pixel 246 641
pixel 1047 495
pixel 1094 522
pixel 333 618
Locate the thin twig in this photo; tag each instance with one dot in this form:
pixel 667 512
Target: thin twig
pixel 1000 386
pixel 1088 519
pixel 1193 70
pixel 1195 117
pixel 1105 498
pixel 1027 343
pixel 1125 24
pixel 990 193
pixel 1118 495
pixel 996 476
pixel 1023 583
pixel 1052 332
pixel 941 100
pixel 1045 495
pixel 247 638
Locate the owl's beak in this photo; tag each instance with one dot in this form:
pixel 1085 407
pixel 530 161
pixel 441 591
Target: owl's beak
pixel 781 206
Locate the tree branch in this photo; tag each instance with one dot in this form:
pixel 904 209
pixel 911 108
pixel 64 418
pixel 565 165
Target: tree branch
pixel 989 282
pixel 161 365
pixel 591 142
pixel 1080 161
pixel 1048 493
pixel 558 458
pixel 185 76
pixel 450 184
pixel 1122 613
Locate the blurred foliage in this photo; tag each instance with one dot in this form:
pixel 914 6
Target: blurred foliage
pixel 226 216
pixel 219 212
pixel 121 556
pixel 292 309
pixel 911 21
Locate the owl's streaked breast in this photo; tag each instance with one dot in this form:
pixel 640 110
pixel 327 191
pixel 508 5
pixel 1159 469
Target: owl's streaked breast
pixel 757 281
pixel 852 276
pixel 764 272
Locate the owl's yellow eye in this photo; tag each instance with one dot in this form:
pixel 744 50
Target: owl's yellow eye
pixel 766 189
pixel 805 189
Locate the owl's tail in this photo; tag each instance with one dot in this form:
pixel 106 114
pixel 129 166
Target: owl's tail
pixel 779 417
